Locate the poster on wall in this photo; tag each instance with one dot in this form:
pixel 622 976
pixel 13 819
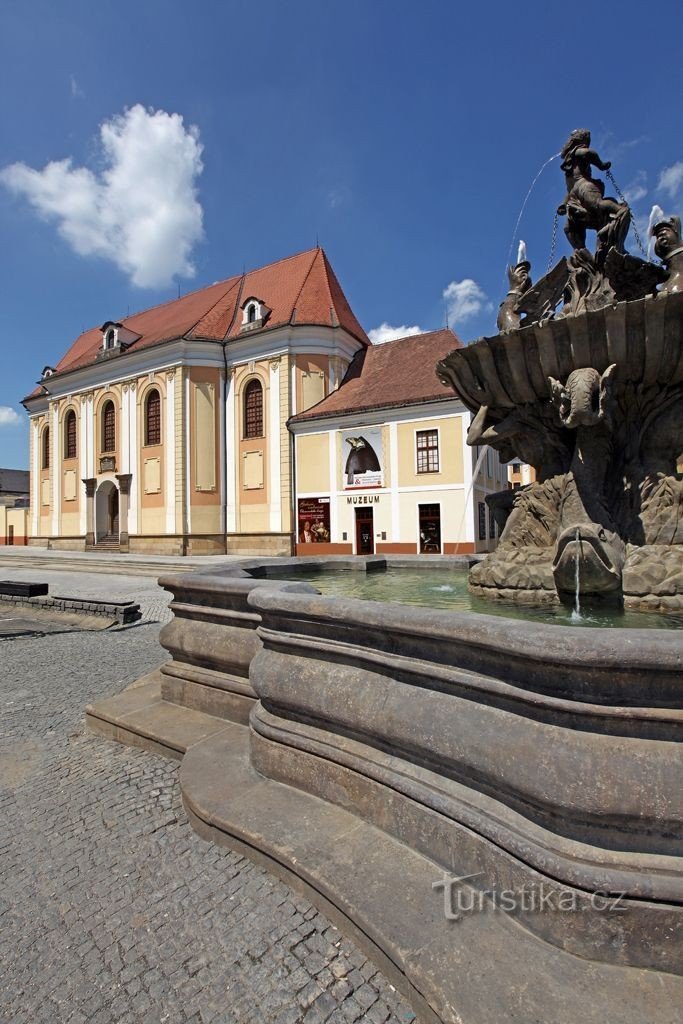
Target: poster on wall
pixel 314 520
pixel 362 458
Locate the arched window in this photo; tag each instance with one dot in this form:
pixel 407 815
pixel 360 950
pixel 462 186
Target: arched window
pixel 153 417
pixel 109 427
pixel 110 339
pixel 46 448
pixel 70 449
pixel 251 312
pixel 253 409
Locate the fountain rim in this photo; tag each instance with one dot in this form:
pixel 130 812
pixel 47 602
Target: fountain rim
pixel 467 626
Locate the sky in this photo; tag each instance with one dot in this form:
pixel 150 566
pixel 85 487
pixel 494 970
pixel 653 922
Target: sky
pixel 154 147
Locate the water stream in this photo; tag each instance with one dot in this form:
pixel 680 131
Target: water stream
pixel 468 495
pixel 521 213
pixel 576 614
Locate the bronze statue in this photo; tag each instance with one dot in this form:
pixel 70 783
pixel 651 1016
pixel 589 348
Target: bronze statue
pixel 669 248
pixel 585 204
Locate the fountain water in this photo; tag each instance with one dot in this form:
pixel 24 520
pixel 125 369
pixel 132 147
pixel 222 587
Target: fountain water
pixel 526 200
pixel 468 495
pixel 576 614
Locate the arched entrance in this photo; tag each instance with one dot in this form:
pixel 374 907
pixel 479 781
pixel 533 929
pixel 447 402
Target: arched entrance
pixel 107 512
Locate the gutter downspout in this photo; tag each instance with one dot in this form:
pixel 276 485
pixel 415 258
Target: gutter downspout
pixel 224 396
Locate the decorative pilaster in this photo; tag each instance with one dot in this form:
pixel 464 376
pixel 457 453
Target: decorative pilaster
pixel 124 480
pixel 90 486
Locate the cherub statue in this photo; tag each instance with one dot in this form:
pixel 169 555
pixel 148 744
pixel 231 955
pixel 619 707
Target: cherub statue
pixel 585 205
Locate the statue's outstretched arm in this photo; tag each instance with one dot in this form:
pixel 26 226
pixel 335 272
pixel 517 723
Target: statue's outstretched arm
pixel 593 157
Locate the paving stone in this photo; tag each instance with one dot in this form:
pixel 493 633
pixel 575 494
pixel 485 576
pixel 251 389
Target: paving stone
pixel 113 911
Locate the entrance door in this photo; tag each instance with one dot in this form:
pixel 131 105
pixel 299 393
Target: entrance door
pixel 113 516
pixel 430 529
pixel 364 532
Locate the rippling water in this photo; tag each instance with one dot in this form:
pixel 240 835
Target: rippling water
pixel 447 589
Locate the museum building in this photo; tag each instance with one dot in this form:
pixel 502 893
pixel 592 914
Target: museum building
pixel 382 464
pixel 174 430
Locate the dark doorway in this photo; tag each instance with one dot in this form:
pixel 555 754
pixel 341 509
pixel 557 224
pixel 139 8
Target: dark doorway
pixel 364 532
pixel 430 529
pixel 10 534
pixel 113 515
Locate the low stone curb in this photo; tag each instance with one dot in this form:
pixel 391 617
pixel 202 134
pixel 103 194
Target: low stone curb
pixel 122 612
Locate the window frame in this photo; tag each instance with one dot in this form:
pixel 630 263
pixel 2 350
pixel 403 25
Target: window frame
pixel 148 442
pixel 250 432
pixel 45 447
pixel 107 450
pixel 70 450
pixel 427 450
pixel 481 512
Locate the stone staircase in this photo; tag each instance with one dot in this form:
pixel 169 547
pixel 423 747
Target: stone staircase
pixel 108 544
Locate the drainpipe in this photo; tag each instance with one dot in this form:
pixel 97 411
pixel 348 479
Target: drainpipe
pixel 292 492
pixel 224 396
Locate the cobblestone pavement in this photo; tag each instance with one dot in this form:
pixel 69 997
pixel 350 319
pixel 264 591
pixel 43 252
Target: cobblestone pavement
pixel 112 910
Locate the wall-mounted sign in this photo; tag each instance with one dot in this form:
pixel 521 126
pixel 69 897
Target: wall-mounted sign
pixel 362 458
pixel 313 520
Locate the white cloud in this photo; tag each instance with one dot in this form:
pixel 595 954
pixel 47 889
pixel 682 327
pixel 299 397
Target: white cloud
pixel 141 211
pixel 671 179
pixel 385 332
pixel 464 299
pixel 636 189
pixel 76 90
pixel 8 417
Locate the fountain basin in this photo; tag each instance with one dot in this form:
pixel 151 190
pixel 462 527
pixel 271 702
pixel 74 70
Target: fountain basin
pixel 535 751
pixel 534 759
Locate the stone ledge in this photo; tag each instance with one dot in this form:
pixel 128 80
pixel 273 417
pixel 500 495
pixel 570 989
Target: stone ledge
pixel 123 612
pixel 480 969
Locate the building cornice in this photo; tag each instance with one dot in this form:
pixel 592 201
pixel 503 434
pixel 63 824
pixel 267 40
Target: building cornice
pixel 442 408
pixel 331 341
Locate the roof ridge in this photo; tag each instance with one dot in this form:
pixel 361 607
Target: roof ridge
pixel 178 298
pixel 303 283
pixel 411 337
pixel 327 267
pixel 338 297
pixel 235 282
pixel 204 287
pixel 274 263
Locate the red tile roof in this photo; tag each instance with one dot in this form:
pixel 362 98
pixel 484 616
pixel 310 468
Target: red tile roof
pixel 300 289
pixel 398 373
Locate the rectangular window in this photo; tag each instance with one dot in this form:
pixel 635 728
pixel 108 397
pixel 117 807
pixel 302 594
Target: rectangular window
pixel 482 521
pixel 492 525
pixel 427 442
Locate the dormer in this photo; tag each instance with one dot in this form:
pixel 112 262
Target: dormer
pixel 254 313
pixel 110 335
pixel 115 339
pixel 47 372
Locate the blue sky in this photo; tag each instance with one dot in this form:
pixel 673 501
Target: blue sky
pixel 404 136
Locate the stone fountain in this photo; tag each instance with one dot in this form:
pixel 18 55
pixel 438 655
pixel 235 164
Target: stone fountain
pixel 585 383
pixel 385 759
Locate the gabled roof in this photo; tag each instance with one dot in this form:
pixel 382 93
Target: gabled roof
pixel 14 481
pixel 301 289
pixel 395 374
